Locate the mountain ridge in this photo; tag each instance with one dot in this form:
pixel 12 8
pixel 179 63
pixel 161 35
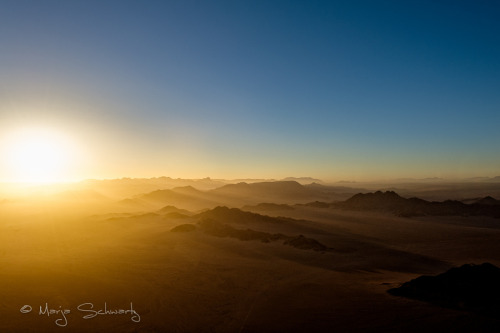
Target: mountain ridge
pixel 390 201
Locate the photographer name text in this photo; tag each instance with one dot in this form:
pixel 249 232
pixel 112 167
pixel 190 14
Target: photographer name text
pixel 87 310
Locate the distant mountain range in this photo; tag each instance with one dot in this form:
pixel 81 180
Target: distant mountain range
pixel 284 191
pixel 133 186
pixel 390 201
pixel 303 180
pixel 186 197
pixel 283 195
pixel 195 194
pixel 279 192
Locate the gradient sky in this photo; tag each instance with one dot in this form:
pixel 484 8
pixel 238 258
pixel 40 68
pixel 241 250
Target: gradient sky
pixel 331 89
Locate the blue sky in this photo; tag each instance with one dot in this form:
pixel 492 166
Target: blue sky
pixel 330 89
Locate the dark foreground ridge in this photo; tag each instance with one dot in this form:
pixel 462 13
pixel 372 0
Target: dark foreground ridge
pixel 469 287
pixel 391 202
pixel 220 220
pixel 215 228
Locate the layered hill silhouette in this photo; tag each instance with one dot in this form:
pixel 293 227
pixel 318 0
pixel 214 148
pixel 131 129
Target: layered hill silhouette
pixel 302 180
pixel 278 192
pixel 215 228
pixel 488 201
pixel 220 222
pixel 391 202
pixel 282 192
pixel 234 215
pixel 224 222
pixel 267 207
pixel 244 219
pixel 173 210
pixel 285 195
pixel 186 197
pixel 127 187
pixel 469 287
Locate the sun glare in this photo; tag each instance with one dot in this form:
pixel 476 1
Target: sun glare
pixel 34 155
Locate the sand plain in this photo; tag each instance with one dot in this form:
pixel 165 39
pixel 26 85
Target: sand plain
pixel 61 256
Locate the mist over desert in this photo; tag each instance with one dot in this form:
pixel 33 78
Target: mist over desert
pixel 274 256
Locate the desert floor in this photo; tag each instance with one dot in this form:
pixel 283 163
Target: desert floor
pixel 196 282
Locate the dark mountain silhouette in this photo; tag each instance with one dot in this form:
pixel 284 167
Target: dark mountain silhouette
pixel 247 226
pixel 488 201
pixel 281 192
pixel 178 192
pixel 188 190
pixel 286 188
pixel 187 197
pixel 218 229
pixel 284 192
pixel 391 202
pixel 172 209
pixel 482 201
pixel 223 222
pixel 244 219
pixel 267 207
pixel 234 215
pixel 316 204
pixel 127 187
pixel 377 200
pixel 469 287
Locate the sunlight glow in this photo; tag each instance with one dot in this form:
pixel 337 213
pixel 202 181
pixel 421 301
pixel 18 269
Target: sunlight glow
pixel 37 155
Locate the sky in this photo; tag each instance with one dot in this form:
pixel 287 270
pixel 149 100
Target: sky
pixel 337 90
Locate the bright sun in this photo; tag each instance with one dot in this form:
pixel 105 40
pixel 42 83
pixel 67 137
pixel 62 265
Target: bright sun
pixel 37 155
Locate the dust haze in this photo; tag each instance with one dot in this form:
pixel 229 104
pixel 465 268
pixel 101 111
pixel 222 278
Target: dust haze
pixel 252 255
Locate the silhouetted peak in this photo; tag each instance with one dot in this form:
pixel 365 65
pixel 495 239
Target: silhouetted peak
pixel 283 188
pixel 235 215
pixel 471 271
pixel 168 209
pixel 232 187
pixel 317 204
pixel 185 189
pixel 378 196
pixel 390 201
pixel 469 287
pixel 488 201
